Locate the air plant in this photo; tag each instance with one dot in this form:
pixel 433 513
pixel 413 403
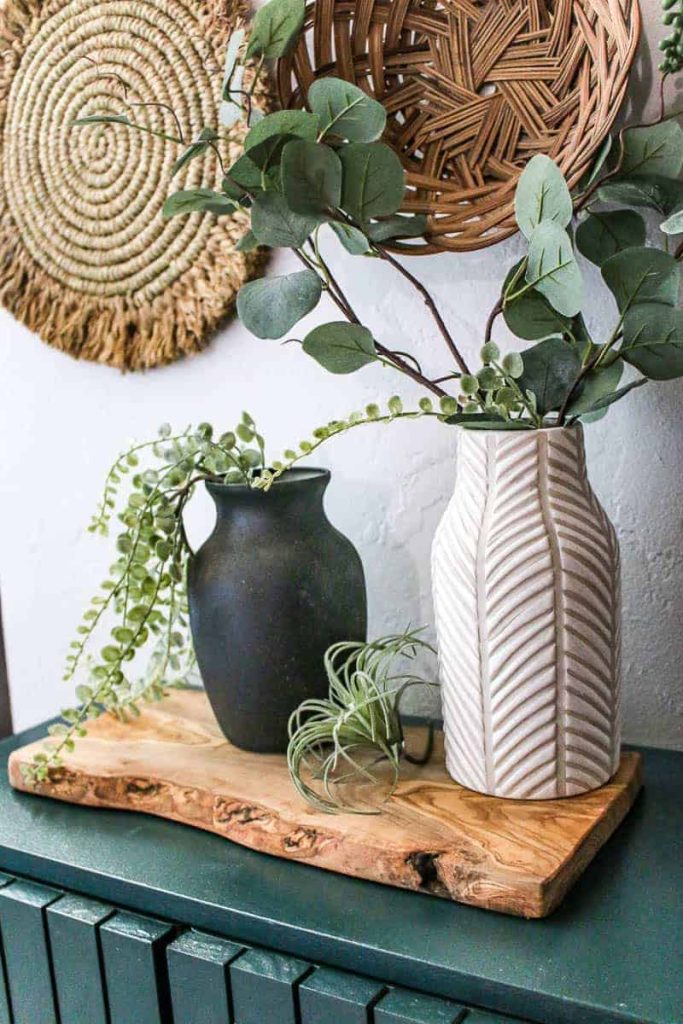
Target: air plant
pixel 354 738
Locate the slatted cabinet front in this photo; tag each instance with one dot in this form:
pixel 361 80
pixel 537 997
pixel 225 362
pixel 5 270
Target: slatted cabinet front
pixel 66 959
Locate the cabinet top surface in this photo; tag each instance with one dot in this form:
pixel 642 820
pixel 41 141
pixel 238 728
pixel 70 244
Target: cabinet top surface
pixel 614 945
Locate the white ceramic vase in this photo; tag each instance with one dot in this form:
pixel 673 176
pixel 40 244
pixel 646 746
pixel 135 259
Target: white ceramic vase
pixel 525 568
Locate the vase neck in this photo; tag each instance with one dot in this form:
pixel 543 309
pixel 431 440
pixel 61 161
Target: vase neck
pixel 298 494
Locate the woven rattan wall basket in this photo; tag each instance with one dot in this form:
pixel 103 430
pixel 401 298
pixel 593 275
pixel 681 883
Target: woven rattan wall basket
pixel 473 89
pixel 86 258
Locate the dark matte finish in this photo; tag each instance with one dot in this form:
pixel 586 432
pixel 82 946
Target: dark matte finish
pixel 273 586
pixel 5 1017
pixel 335 996
pixel 27 951
pixel 133 952
pixel 198 974
pixel 402 1007
pixel 264 987
pixel 5 710
pixel 610 954
pixel 73 928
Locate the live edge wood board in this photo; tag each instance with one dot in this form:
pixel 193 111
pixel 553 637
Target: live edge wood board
pixel 517 857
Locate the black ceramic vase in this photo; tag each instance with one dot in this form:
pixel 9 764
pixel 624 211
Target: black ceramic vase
pixel 269 591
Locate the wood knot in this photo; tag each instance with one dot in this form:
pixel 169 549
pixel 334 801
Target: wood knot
pixel 235 813
pixel 425 865
pixel 142 787
pixel 304 840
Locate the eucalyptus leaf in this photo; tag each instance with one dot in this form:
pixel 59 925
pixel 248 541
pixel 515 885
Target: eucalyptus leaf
pixel 274 224
pixel 602 234
pixel 373 180
pixel 398 226
pixel 259 167
pixel 276 27
pixel 674 224
pixel 231 55
pixel 653 149
pixel 353 240
pixel 346 111
pixel 595 386
pixel 552 268
pixel 195 149
pixel 612 397
pixel 531 316
pixel 311 177
pixel 542 195
pixel 270 306
pixel 641 275
pixel 653 340
pixel 592 175
pixel 550 370
pixel 195 200
pixel 292 123
pixel 248 242
pixel 662 194
pixel 104 119
pixel 341 347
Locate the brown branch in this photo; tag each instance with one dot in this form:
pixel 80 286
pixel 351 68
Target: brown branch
pixel 337 295
pixel 495 312
pixel 429 302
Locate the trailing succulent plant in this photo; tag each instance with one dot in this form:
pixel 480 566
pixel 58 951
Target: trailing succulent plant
pixel 141 607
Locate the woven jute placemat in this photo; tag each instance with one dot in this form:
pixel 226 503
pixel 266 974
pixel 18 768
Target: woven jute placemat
pixel 86 258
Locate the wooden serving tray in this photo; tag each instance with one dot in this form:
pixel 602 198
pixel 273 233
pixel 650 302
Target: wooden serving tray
pixel 434 836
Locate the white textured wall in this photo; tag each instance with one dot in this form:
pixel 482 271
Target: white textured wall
pixel 62 422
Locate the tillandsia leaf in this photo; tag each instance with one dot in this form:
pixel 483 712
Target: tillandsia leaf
pixel 230 111
pixel 311 177
pixel 349 745
pixel 595 386
pixel 194 200
pixel 542 195
pixel 602 234
pixel 373 181
pixel 552 268
pixel 276 27
pixel 530 316
pixel 398 226
pixel 641 275
pixel 274 224
pixel 662 194
pixel 291 123
pixel 353 240
pixel 485 421
pixel 653 340
pixel 653 149
pixel 550 370
pixel 346 111
pixel 104 119
pixel 206 137
pixel 270 306
pixel 341 347
pixel 673 225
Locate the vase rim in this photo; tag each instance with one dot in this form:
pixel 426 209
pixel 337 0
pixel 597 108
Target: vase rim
pixel 296 475
pixel 565 428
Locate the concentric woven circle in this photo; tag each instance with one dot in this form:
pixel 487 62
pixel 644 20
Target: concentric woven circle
pixel 86 258
pixel 473 89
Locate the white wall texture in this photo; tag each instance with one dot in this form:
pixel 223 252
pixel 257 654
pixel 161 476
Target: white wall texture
pixel 62 423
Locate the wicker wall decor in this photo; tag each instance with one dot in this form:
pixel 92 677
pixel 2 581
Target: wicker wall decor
pixel 473 89
pixel 86 259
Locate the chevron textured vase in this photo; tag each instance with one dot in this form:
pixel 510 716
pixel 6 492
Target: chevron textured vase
pixel 525 567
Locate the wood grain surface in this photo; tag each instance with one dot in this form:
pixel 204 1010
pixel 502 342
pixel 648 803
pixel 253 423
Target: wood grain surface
pixel 518 857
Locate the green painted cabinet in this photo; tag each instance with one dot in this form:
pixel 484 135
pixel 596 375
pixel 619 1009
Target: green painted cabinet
pixel 73 925
pixel 118 918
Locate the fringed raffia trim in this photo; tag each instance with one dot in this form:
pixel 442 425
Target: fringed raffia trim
pixel 86 260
